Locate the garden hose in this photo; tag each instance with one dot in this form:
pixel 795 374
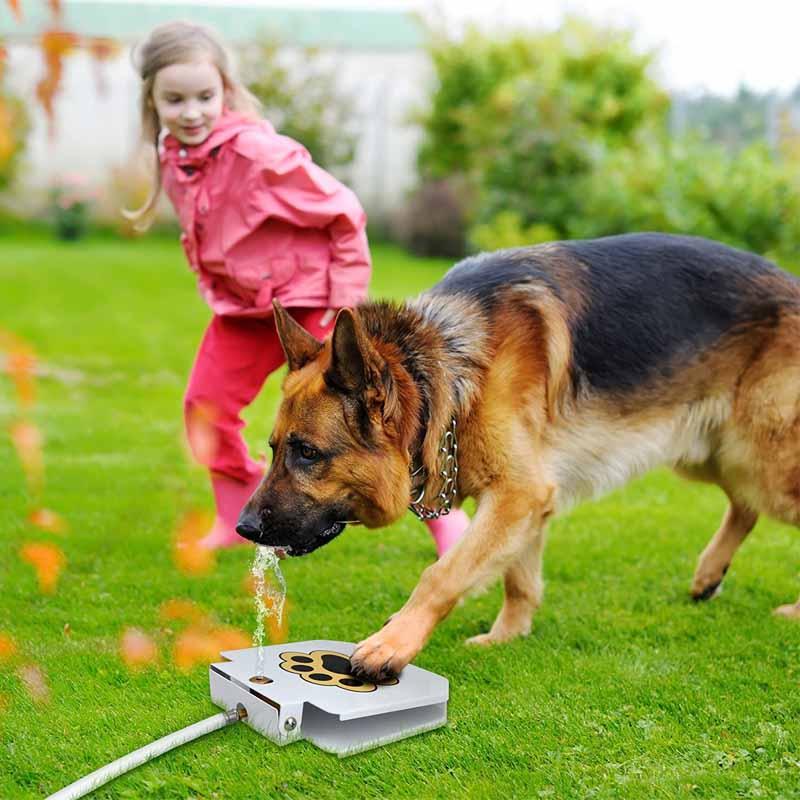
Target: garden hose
pixel 95 779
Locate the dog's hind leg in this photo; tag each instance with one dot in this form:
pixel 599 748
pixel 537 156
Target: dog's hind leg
pixel 524 589
pixel 716 558
pixel 765 438
pixel 791 610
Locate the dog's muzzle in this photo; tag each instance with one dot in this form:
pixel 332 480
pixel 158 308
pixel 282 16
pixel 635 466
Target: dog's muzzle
pixel 253 526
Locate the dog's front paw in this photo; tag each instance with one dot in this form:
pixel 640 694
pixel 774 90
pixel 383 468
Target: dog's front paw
pixel 384 654
pixel 707 584
pixel 792 610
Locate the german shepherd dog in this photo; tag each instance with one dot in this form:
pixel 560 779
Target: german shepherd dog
pixel 561 371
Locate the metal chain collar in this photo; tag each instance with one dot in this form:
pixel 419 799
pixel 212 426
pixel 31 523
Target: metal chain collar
pixel 449 476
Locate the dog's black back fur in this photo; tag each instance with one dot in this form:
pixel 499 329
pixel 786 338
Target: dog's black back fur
pixel 649 301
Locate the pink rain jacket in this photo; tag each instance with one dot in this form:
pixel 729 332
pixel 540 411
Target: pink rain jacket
pixel 260 220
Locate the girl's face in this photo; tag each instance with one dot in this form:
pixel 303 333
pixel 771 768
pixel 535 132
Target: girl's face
pixel 188 98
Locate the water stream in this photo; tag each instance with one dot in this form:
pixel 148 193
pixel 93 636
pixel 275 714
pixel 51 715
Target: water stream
pixel 270 596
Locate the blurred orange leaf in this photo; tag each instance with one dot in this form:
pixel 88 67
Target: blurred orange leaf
pixel 185 610
pixel 194 646
pixel 202 433
pixel 48 520
pixel 138 650
pixel 35 682
pixel 249 583
pixel 55 44
pixel 201 645
pixel 232 639
pixel 55 6
pixel 101 49
pixel 278 628
pixel 278 631
pixel 190 556
pixel 16 8
pixel 7 142
pixel 20 365
pixel 8 647
pixel 48 561
pixel 27 440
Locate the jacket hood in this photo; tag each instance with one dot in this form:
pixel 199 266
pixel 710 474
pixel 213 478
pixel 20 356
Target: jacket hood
pixel 229 125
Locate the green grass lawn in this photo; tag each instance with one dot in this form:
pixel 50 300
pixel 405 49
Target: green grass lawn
pixel 624 689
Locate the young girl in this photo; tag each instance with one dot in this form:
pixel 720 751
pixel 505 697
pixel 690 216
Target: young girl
pixel 259 220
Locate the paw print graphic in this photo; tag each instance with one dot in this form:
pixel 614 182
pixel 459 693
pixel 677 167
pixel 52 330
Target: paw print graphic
pixel 327 668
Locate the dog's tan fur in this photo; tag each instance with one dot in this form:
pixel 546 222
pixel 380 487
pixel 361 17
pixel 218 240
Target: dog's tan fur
pixel 532 440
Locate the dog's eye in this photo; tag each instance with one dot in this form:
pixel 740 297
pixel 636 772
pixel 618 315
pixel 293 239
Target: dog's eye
pixel 308 453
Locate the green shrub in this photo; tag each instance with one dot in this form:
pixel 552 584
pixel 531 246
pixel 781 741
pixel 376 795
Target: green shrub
pixel 303 99
pixel 564 135
pixel 750 201
pixel 506 230
pixel 526 118
pixel 579 81
pixel 675 186
pixel 70 202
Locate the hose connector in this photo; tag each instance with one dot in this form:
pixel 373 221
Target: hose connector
pixel 235 714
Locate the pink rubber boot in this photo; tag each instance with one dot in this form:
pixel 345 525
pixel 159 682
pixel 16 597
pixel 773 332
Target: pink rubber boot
pixel 230 497
pixel 446 531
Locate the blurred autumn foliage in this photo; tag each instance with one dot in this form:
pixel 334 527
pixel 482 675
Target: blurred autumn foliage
pixel 14 126
pixel 48 560
pixel 197 642
pixel 55 43
pixel 19 363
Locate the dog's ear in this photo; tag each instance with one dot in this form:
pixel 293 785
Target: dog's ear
pixel 359 370
pixel 356 366
pixel 298 344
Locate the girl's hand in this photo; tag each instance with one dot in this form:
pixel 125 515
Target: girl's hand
pixel 327 317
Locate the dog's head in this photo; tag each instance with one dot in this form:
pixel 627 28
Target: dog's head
pixel 340 442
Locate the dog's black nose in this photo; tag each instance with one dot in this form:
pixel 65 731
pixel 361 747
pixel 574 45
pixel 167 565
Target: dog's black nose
pixel 249 525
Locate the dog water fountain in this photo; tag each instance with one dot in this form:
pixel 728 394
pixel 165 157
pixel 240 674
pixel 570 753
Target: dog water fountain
pixel 301 691
pixel 305 691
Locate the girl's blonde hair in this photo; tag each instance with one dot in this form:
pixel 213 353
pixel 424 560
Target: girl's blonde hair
pixel 178 43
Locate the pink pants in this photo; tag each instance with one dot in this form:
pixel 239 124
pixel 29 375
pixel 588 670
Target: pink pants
pixel 235 358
